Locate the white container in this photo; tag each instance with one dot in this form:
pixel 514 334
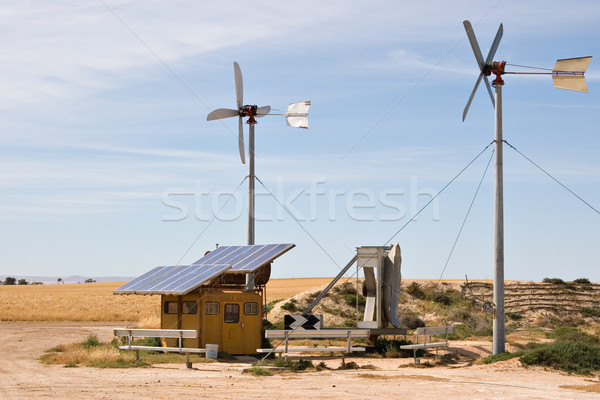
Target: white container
pixel 212 350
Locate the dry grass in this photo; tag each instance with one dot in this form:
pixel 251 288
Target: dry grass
pixel 594 388
pixel 396 377
pixel 96 302
pixel 74 353
pixel 286 288
pixel 75 302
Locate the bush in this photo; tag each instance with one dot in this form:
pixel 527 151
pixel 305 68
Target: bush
pixel 577 357
pixel 411 321
pixel 91 341
pixel 149 341
pixel 466 331
pixel 290 306
pixel 414 289
pixel 352 299
pixel 582 281
pixel 391 348
pixel 260 371
pixel 569 334
pixel 590 312
pixel 293 365
pixel 514 316
pixel 555 281
pixel 448 297
pixel 270 305
pixel 501 357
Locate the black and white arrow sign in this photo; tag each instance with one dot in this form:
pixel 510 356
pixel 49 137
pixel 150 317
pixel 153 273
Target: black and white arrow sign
pixel 303 322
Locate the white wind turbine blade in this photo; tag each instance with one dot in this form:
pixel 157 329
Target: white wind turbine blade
pixel 239 85
pixel 222 113
pixel 466 110
pixel 262 111
pixel 481 62
pixel 241 140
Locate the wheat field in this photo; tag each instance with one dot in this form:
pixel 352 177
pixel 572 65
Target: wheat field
pixel 96 302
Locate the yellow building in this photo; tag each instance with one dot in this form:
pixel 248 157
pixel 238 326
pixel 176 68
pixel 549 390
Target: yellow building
pixel 221 296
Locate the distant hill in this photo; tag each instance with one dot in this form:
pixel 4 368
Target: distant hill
pixel 68 279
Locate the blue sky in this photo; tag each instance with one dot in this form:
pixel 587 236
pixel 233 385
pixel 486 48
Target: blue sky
pixel 109 167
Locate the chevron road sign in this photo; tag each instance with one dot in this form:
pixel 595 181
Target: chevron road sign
pixel 303 322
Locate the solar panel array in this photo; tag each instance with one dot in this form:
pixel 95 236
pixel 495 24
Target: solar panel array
pixel 245 259
pixel 181 279
pixel 174 280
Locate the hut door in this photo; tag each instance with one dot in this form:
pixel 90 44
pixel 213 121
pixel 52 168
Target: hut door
pixel 233 339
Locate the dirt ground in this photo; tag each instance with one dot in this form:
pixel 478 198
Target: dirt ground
pixel 23 376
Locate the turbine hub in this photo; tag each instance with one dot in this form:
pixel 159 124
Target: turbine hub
pixel 497 68
pixel 249 111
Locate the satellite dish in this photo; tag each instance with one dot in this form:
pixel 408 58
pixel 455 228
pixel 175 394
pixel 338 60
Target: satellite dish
pixel 296 115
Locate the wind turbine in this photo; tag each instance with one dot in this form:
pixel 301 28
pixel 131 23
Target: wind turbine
pixel 567 74
pixel 296 116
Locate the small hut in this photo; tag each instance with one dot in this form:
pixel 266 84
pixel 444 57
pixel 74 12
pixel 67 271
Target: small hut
pixel 212 296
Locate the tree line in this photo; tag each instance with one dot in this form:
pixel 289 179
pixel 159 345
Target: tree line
pixel 13 281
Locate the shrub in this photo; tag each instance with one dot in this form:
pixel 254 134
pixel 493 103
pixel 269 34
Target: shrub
pixel 391 348
pixel 448 297
pixel 556 281
pixel 577 357
pixel 149 341
pixel 91 341
pixel 270 306
pixel 293 365
pixel 352 299
pixel 414 289
pixel 349 365
pixel 569 334
pixel 590 312
pixel 466 331
pixel 514 316
pixel 290 306
pixel 582 281
pixel 501 357
pixel 442 298
pixel 411 321
pixel 260 371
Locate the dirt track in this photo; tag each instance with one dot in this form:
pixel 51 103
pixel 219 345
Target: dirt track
pixel 24 377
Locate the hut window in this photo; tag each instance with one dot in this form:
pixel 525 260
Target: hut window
pixel 190 307
pixel 232 313
pixel 211 308
pixel 170 307
pixel 251 308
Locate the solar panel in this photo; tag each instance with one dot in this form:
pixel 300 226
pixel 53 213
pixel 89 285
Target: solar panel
pixel 181 279
pixel 245 259
pixel 140 281
pixel 173 280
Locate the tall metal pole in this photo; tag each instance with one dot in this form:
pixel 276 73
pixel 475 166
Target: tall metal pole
pixel 498 325
pixel 250 277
